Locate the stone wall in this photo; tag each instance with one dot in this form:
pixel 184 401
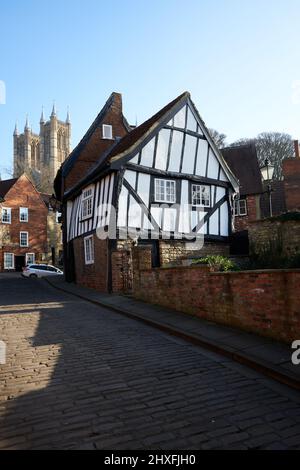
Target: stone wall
pixel 276 234
pixel 263 302
pixel 173 252
pixel 121 271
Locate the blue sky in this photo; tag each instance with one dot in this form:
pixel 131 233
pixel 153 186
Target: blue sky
pixel 239 59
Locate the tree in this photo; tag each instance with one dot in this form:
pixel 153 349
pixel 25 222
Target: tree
pixel 219 139
pixel 276 146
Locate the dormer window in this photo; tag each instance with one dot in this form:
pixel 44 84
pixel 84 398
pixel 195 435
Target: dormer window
pixel 107 131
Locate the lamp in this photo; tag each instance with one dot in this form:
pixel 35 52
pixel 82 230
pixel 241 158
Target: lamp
pixel 267 172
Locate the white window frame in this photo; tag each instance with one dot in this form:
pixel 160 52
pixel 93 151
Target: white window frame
pixel 165 181
pixel 27 245
pixel 26 259
pixel 201 186
pixel 237 208
pixel 8 209
pixel 107 132
pixel 57 216
pixel 87 203
pixel 26 213
pixel 89 253
pixel 13 261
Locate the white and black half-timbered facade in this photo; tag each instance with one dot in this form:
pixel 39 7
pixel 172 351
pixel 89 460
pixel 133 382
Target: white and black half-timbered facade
pixel 163 183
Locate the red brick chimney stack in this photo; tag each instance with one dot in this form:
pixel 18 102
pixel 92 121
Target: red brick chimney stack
pixel 291 174
pixel 296 146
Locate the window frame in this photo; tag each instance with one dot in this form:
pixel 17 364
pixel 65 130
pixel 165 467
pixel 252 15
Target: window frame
pixel 27 214
pixel 84 201
pixel 13 260
pixel 106 127
pixel 201 186
pixel 243 214
pixel 26 258
pixel 165 180
pixel 27 245
pixel 237 208
pixel 58 215
pixel 91 258
pixel 9 212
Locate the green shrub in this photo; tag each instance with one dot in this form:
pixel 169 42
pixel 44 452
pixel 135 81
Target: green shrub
pixel 268 259
pixel 220 263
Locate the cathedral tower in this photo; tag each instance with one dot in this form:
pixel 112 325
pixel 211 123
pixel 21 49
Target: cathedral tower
pixel 42 154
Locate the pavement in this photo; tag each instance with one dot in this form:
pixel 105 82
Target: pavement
pixel 262 354
pixel 82 376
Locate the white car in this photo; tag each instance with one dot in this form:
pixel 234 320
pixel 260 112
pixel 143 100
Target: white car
pixel 40 270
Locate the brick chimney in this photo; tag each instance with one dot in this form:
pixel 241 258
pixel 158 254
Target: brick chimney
pixel 296 146
pixel 291 174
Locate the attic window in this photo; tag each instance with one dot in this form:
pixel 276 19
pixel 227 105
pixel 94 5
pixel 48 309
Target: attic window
pixel 106 131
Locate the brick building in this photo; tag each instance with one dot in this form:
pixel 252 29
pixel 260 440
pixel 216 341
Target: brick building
pixel 138 175
pixel 244 164
pixel 291 182
pixel 26 228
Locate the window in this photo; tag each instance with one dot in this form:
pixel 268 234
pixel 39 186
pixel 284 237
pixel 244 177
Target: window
pixel 87 203
pixel 106 131
pixel 240 207
pixel 6 215
pixel 200 195
pixel 58 217
pixel 89 250
pixel 23 214
pixel 24 239
pixel 30 258
pixel 165 191
pixel 9 261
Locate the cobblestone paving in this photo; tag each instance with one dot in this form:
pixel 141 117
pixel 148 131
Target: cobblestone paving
pixel 79 376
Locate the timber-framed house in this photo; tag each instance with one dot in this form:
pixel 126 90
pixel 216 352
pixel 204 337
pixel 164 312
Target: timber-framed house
pixel 142 177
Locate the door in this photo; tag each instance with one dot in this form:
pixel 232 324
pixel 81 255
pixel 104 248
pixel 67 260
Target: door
pixel 70 263
pixel 19 263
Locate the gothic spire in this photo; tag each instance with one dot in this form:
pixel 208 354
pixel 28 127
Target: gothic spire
pixel 68 120
pixel 42 120
pixel 16 132
pixel 27 128
pixel 53 114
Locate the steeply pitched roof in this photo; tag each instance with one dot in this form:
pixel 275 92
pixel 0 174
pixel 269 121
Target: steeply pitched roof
pixel 70 161
pixel 133 137
pixel 244 164
pixel 123 150
pixel 5 186
pixel 114 153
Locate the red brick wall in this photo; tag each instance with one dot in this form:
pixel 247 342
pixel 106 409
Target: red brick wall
pixel 23 194
pixel 262 302
pixel 96 145
pixel 93 275
pixel 253 213
pixel 291 172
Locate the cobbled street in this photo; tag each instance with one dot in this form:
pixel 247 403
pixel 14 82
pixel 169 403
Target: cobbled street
pixel 80 376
